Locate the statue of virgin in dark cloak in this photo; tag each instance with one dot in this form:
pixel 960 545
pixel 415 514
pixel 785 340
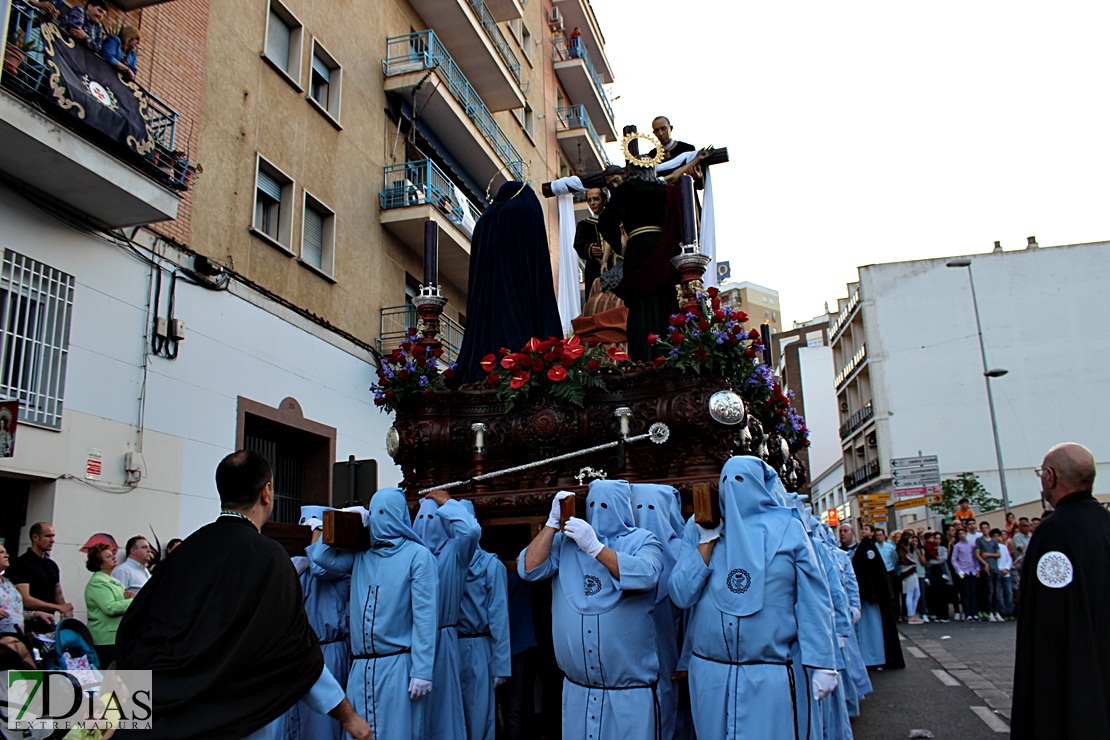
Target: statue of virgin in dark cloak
pixel 510 292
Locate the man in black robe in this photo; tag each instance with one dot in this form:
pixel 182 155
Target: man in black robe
pixel 1062 667
pixel 222 625
pixel 510 293
pixel 874 589
pixel 587 239
pixel 662 128
pixel 649 213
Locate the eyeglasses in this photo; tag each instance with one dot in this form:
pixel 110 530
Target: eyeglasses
pixel 1039 472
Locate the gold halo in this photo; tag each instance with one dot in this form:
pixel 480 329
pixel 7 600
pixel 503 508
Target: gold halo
pixel 660 152
pixel 527 178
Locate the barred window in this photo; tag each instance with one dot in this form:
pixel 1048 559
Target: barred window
pixel 36 303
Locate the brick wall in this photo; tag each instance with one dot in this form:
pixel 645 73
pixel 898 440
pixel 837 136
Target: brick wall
pixel 171 65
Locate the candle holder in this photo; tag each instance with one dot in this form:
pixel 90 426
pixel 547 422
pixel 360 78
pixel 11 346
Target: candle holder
pixel 480 430
pixel 429 307
pixel 690 264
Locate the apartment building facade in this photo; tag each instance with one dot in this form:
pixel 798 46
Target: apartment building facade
pixel 154 317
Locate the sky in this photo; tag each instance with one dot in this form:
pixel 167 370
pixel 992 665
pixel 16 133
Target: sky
pixel 866 132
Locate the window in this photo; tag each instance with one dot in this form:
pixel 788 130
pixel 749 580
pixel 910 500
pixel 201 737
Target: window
pixel 325 82
pixel 283 42
pixel 318 236
pixel 36 303
pixel 273 205
pixel 526 42
pixel 529 119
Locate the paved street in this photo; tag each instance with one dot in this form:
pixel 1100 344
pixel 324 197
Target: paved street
pixel 957 684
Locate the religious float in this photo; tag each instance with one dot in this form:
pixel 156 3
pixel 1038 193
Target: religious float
pixel 554 413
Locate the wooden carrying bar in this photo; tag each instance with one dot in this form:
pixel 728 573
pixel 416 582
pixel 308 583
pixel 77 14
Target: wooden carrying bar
pixel 344 529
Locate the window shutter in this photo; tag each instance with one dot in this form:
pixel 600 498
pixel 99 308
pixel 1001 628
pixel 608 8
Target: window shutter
pixel 277 40
pixel 268 185
pixel 321 69
pixel 312 243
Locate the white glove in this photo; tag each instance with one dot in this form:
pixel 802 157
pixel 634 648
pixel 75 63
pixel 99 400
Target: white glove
pixel 856 614
pixel 418 688
pixel 708 534
pixel 580 531
pixel 824 683
pixel 498 680
pixel 841 641
pixel 556 509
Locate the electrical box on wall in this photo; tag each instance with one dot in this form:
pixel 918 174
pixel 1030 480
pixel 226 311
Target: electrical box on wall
pixel 133 465
pixel 177 330
pixel 161 327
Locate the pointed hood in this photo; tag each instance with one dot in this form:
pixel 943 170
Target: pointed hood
pixel 658 509
pixel 479 561
pixel 429 527
pixel 389 520
pixel 754 525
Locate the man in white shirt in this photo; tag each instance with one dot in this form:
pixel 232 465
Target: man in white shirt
pixel 132 572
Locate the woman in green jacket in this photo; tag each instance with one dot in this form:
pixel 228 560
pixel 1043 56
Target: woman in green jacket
pixel 106 601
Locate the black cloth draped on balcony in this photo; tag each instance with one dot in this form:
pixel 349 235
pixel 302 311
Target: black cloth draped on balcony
pixel 511 293
pixel 92 90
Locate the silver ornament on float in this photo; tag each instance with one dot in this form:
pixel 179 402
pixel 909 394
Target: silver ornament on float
pixel 727 407
pixel 392 441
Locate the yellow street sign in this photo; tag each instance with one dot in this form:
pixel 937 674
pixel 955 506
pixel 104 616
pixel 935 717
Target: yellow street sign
pixel 909 503
pixel 874 497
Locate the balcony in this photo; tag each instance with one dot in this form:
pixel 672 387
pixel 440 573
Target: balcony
pixel 577 73
pixel 469 30
pixel 850 367
pixel 416 192
pixel 450 107
pixel 579 140
pixel 396 321
pixel 580 14
pixel 860 476
pixel 506 10
pixel 78 160
pixel 856 420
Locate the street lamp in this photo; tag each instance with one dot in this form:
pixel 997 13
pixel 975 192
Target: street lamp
pixel 987 375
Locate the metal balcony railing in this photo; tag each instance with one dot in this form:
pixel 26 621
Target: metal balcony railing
pixel 396 321
pixel 412 183
pixel 423 50
pixel 856 420
pixel 849 368
pixel 564 52
pixel 498 39
pixel 861 475
pixel 574 117
pixel 31 83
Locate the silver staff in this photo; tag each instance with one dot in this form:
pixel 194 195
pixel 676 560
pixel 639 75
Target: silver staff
pixel 657 433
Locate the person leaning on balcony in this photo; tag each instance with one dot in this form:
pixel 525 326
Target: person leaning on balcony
pixel 84 24
pixel 122 52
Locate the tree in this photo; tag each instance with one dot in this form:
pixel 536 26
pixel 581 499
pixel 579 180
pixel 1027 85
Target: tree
pixel 965 485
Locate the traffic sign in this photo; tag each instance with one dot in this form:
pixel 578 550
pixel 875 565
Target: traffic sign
pixel 910 503
pixel 834 518
pixel 873 497
pixel 908 462
pixel 903 492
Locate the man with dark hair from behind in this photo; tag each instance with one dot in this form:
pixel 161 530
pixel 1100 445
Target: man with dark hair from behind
pixel 1062 665
pixel 222 626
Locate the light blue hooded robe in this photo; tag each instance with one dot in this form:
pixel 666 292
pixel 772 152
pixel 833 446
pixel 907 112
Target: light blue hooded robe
pixel 761 602
pixel 857 684
pixel 657 508
pixel 484 649
pixel 393 617
pixel 601 625
pixel 452 534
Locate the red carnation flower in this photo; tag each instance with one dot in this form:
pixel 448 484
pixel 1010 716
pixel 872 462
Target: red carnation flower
pixel 489 362
pixel 753 334
pixel 676 338
pixel 703 325
pixel 749 352
pixel 617 354
pixel 593 366
pixel 379 401
pixel 678 320
pixel 701 354
pixel 557 373
pixel 659 361
pixel 390 395
pixel 493 380
pixel 537 364
pixel 712 292
pixel 438 352
pixel 741 317
pixel 520 377
pixel 720 315
pixel 419 351
pixel 715 303
pixel 548 356
pixel 652 338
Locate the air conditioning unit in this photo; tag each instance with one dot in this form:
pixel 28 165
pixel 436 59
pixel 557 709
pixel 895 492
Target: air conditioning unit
pixel 555 20
pixel 844 406
pixel 872 440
